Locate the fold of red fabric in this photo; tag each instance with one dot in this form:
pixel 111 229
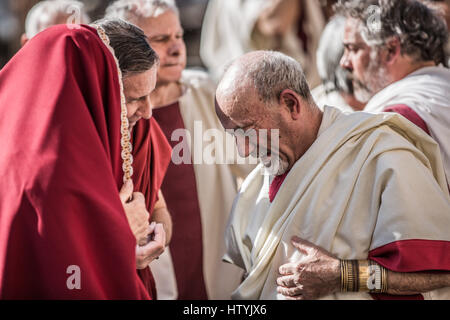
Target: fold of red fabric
pixel 412 255
pixel 409 114
pixel 152 154
pixel 63 230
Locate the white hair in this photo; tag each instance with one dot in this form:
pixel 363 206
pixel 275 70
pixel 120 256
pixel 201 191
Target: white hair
pixel 329 54
pixel 130 10
pixel 46 13
pixel 273 72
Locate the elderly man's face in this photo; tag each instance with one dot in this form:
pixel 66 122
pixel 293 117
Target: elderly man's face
pixel 137 90
pixel 166 37
pixel 250 120
pixel 368 73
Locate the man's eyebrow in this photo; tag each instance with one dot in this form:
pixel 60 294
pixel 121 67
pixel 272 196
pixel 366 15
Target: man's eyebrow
pixel 353 43
pixel 138 98
pixel 164 35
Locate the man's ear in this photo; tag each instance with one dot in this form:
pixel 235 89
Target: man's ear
pixel 394 50
pixel 23 39
pixel 291 101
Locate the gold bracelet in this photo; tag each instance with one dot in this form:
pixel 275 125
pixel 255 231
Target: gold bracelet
pixel 343 280
pixel 363 276
pixel 352 275
pixel 344 276
pixel 374 278
pixel 349 275
pixel 384 284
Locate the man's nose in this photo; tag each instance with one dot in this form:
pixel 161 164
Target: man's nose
pixel 145 110
pixel 346 63
pixel 175 48
pixel 245 149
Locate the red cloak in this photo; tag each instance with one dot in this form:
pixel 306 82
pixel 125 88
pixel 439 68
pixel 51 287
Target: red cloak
pixel 60 170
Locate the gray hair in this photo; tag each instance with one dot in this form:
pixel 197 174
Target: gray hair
pixel 421 31
pixel 275 72
pixel 47 13
pixel 131 47
pixel 329 54
pixel 131 10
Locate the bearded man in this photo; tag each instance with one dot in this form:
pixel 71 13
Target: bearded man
pixel 360 185
pixel 395 51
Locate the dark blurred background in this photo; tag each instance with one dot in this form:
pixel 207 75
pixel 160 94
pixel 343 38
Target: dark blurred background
pixel 14 12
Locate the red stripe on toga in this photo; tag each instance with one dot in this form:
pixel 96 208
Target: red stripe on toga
pixel 409 114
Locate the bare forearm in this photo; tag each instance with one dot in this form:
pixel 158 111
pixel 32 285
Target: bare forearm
pixel 375 278
pixel 413 283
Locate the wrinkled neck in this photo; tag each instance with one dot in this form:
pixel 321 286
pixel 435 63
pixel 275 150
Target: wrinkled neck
pixel 166 94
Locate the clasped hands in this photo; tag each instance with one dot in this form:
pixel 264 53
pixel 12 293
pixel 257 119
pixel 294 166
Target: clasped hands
pixel 150 238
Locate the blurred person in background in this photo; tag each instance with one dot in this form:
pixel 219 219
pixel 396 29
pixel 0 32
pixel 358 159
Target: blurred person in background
pixel 232 28
pixel 199 195
pixel 396 57
pixel 336 88
pixel 52 12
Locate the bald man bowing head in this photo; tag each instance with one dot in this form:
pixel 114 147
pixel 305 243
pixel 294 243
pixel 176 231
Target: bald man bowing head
pixel 356 185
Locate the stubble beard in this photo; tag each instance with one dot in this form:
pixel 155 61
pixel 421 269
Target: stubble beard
pixel 374 80
pixel 274 165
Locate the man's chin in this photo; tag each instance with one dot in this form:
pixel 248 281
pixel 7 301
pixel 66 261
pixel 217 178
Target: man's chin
pixel 362 94
pixel 275 167
pixel 169 77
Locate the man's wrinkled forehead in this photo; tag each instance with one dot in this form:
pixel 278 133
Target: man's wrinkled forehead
pixel 352 31
pixel 231 118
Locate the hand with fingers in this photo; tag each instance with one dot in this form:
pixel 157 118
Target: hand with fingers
pixel 316 275
pixel 154 248
pixel 136 212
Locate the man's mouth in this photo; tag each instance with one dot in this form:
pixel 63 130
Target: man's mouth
pixel 169 65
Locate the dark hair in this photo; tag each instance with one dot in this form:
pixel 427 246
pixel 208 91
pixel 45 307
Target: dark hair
pixel 421 31
pixel 130 46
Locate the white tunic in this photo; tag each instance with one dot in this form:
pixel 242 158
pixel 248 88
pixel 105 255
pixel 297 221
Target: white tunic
pixel 367 181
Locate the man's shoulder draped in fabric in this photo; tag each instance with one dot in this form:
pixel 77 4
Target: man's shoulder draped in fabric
pixel 426 92
pixel 344 195
pixel 60 209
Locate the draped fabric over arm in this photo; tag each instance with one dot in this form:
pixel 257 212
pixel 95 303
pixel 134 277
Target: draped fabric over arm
pixel 61 170
pixel 370 186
